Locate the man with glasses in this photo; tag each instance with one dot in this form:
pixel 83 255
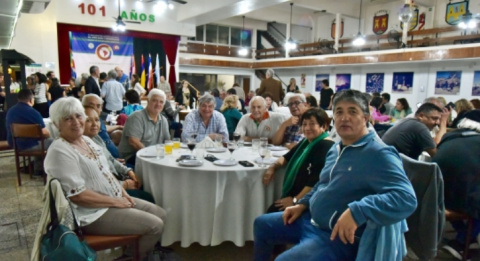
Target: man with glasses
pixel 289 133
pixel 411 136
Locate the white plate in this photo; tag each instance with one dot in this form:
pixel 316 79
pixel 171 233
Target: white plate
pixel 277 148
pixel 190 163
pixel 183 145
pixel 216 150
pixel 265 161
pixel 225 162
pixel 247 143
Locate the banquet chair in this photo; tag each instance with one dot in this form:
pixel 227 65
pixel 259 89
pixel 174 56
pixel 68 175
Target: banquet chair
pixel 27 131
pixel 102 242
pixel 461 216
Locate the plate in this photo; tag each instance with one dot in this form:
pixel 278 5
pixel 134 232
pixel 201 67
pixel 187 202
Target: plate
pixel 277 148
pixel 265 161
pixel 183 145
pixel 216 150
pixel 247 143
pixel 222 162
pixel 190 163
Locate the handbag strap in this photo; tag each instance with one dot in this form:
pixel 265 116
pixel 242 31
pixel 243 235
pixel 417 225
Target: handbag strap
pixel 54 221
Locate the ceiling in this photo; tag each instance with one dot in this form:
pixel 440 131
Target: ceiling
pixel 201 12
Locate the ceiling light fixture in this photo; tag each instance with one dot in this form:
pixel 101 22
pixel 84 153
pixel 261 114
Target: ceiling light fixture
pixel 119 26
pixel 243 51
pixel 360 39
pixel 290 44
pixel 468 21
pixel 17 14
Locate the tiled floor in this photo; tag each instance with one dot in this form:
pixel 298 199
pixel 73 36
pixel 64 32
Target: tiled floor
pixel 21 209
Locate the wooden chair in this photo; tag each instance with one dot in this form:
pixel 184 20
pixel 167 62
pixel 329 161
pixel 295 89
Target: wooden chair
pixel 460 216
pixel 102 242
pixel 27 131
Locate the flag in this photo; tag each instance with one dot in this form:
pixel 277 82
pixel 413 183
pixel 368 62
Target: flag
pixel 157 70
pixel 150 73
pixel 132 66
pixel 72 65
pixel 142 73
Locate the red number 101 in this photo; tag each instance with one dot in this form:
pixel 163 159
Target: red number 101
pixel 91 9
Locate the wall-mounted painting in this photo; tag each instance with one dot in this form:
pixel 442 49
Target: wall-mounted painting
pixel 318 81
pixel 374 82
pixel 448 82
pixel 343 82
pixel 402 82
pixel 476 83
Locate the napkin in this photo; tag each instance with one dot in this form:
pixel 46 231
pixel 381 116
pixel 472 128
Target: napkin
pixel 206 143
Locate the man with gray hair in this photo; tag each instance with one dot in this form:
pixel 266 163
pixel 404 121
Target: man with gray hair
pixel 92 85
pixel 113 92
pixel 259 122
pixel 122 78
pixel 94 101
pixel 272 86
pixel 205 121
pixel 145 127
pixel 290 133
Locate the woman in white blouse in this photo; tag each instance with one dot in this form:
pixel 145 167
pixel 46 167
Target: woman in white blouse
pixel 40 94
pixel 100 203
pixel 135 85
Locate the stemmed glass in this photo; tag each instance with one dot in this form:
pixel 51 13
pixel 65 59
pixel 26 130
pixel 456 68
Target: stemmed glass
pixel 191 143
pixel 263 151
pixel 236 136
pixel 232 146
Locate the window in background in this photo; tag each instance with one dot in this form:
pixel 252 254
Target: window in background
pixel 211 33
pixel 223 34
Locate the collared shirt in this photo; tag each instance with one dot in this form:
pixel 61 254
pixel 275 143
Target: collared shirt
pixel 113 92
pixel 270 123
pixel 139 125
pixel 194 124
pixel 292 134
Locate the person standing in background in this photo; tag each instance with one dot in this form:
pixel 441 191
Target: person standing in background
pixel 165 87
pixel 326 95
pixel 274 87
pixel 40 94
pixel 292 87
pixel 92 84
pixel 239 90
pixel 122 78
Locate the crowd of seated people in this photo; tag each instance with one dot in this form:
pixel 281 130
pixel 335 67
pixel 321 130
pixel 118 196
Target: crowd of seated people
pixel 314 166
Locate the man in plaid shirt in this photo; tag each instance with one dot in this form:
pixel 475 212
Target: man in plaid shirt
pixel 289 133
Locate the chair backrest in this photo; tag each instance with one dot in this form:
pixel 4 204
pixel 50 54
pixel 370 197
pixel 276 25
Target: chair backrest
pixel 33 131
pixel 426 223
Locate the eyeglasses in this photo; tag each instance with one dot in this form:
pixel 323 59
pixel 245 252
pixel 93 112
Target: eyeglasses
pixel 296 103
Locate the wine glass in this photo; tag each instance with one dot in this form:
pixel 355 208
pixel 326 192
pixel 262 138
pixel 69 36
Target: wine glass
pixel 236 136
pixel 232 146
pixel 191 145
pixel 263 152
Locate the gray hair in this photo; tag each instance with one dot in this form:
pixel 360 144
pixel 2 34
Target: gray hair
pixel 270 72
pixel 352 96
pixel 207 98
pixel 254 98
pixel 434 100
pixel 65 107
pixel 112 74
pixel 157 92
pixel 86 96
pixel 85 76
pixel 290 95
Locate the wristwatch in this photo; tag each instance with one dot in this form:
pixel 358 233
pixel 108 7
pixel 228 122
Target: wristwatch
pixel 294 201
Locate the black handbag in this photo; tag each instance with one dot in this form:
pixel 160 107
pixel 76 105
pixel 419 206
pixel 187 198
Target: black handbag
pixel 61 243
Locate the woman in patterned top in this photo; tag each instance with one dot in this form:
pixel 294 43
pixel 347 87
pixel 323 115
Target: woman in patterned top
pixel 101 204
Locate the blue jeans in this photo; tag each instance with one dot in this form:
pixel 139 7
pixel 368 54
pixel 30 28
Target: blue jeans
pixel 311 243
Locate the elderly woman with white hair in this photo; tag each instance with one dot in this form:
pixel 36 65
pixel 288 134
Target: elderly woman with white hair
pixel 100 203
pixel 145 128
pixel 259 122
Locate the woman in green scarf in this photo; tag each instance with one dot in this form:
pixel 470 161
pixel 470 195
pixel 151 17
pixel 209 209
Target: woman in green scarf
pixel 304 161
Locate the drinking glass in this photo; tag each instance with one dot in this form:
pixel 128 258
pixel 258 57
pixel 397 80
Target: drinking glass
pixel 236 136
pixel 218 140
pixel 263 151
pixel 263 141
pixel 255 144
pixel 232 146
pixel 176 143
pixel 191 145
pixel 160 153
pixel 168 147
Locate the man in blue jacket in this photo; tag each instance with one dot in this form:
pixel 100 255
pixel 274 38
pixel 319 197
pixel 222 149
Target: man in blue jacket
pixel 363 180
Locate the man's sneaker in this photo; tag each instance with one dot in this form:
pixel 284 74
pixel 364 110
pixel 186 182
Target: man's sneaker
pixel 455 248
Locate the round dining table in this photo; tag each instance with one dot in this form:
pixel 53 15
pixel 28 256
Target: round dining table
pixel 207 204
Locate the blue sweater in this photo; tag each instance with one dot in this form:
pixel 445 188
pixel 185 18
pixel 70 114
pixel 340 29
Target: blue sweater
pixel 368 178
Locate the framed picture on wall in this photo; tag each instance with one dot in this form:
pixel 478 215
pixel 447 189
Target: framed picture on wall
pixel 374 82
pixel 302 81
pixel 476 83
pixel 402 82
pixel 318 81
pixel 343 82
pixel 448 82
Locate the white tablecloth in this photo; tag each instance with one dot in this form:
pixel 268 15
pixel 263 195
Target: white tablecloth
pixel 208 204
